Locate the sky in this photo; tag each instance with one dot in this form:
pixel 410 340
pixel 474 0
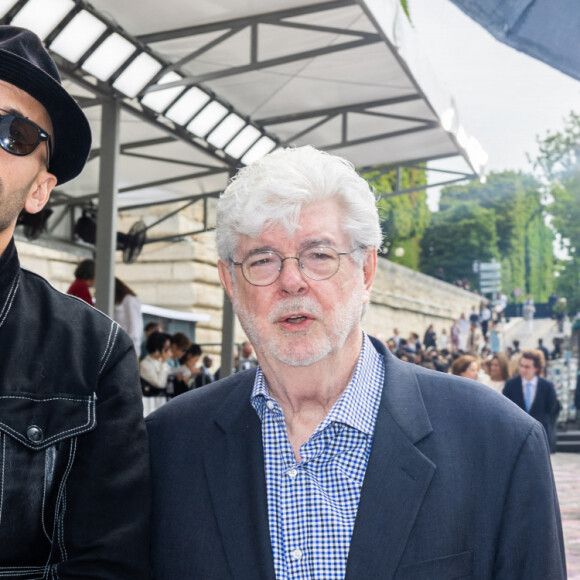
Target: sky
pixel 504 98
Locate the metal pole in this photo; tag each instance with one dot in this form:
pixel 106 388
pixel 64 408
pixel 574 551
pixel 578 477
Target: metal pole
pixel 107 214
pixel 228 330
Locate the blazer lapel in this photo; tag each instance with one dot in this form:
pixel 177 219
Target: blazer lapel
pixel 397 477
pixel 234 465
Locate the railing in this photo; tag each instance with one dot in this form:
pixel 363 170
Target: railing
pixel 543 310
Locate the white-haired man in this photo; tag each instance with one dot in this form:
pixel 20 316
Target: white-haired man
pixel 333 459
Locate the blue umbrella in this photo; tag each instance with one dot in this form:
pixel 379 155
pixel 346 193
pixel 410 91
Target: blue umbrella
pixel 545 29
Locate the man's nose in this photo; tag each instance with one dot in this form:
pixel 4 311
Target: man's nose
pixel 292 278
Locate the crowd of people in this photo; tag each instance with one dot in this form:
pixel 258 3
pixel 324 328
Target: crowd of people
pixel 473 344
pixel 472 349
pixel 171 364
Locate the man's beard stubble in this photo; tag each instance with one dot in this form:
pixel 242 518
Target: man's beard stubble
pixel 279 344
pixel 11 204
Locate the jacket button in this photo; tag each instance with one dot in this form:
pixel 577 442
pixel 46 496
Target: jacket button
pixel 34 433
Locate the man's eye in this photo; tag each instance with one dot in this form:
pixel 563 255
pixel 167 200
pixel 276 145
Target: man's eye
pixel 318 256
pixel 261 260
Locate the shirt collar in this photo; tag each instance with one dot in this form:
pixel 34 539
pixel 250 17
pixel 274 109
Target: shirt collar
pixel 533 382
pixel 356 407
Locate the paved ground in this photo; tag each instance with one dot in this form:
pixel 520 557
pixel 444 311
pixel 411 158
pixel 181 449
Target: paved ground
pixel 566 468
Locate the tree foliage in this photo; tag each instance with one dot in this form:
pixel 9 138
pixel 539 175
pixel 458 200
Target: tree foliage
pixel 501 219
pixel 458 235
pixel 559 161
pixel 405 217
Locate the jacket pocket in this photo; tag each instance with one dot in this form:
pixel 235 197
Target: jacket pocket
pixel 454 567
pixel 38 422
pixel 37 452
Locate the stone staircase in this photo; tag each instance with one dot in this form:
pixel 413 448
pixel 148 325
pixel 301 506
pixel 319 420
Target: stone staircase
pixel 569 441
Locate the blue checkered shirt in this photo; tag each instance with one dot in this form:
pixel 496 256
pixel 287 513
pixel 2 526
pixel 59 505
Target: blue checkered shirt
pixel 312 503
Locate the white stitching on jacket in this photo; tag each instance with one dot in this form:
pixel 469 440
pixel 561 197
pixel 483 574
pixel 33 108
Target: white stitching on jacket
pixel 44 495
pixel 59 513
pixel 10 299
pixel 110 344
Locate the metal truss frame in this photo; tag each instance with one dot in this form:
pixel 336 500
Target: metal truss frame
pixel 110 196
pixel 235 26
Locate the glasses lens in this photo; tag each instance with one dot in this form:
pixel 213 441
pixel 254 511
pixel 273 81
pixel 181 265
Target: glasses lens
pixel 19 136
pixel 319 262
pixel 261 268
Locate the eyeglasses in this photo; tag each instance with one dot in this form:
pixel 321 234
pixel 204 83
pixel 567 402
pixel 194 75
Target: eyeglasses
pixel 263 267
pixel 21 136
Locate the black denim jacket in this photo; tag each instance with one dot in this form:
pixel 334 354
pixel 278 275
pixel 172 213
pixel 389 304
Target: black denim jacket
pixel 74 468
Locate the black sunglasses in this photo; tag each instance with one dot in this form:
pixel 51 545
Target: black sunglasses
pixel 21 136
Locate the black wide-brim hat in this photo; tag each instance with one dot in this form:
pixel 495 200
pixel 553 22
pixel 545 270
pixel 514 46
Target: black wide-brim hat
pixel 25 63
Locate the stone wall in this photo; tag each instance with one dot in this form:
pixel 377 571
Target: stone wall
pixel 183 276
pixel 411 301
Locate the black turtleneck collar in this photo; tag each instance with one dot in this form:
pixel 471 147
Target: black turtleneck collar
pixel 9 271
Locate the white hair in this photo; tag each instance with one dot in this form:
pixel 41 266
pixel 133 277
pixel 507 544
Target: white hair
pixel 275 189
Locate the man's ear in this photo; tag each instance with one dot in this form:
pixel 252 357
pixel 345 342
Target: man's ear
pixel 226 277
pixel 370 267
pixel 369 271
pixel 40 192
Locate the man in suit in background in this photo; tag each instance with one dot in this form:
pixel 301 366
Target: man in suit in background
pixel 332 459
pixel 545 351
pixel 534 394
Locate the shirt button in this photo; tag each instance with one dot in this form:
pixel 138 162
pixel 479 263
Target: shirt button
pixel 34 433
pixel 293 473
pixel 297 554
pixel 270 404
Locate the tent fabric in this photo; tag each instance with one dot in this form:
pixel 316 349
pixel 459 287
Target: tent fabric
pixel 544 29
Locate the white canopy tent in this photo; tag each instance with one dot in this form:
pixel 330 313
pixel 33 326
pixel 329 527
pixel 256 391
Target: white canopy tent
pixel 180 95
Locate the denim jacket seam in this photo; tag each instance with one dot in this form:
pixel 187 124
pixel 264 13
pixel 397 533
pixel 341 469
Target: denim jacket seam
pixel 113 332
pixel 9 299
pixel 44 497
pixel 9 572
pixel 3 435
pixel 60 511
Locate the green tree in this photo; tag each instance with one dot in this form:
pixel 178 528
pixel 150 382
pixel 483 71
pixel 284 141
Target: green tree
pixel 404 217
pixel 559 161
pixel 521 241
pixel 459 235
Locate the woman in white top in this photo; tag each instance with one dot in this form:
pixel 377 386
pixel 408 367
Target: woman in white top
pixel 128 313
pixel 154 370
pixel 498 372
pixel 442 339
pixel 186 374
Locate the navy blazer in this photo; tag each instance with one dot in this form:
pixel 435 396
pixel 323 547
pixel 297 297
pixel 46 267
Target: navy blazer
pixel 545 407
pixel 447 490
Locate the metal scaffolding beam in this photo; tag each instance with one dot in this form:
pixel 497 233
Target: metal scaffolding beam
pixel 107 223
